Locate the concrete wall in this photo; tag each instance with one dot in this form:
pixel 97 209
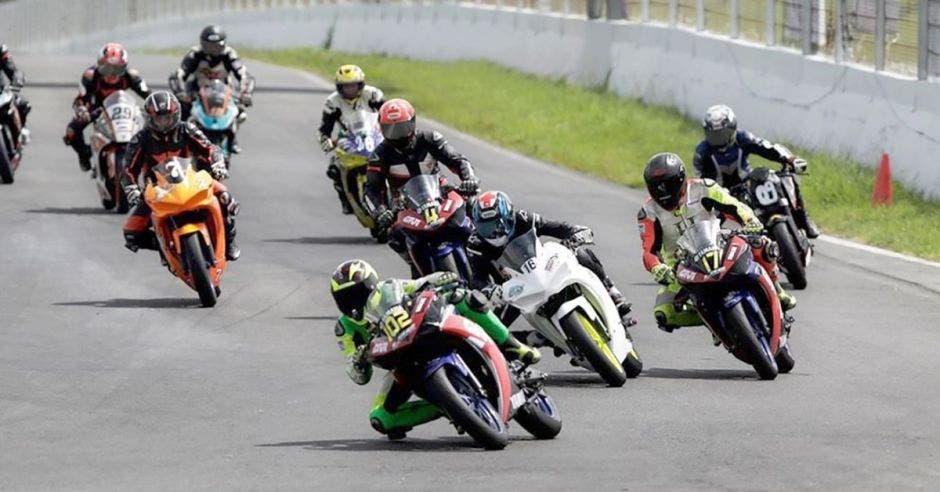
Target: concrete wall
pixel 777 93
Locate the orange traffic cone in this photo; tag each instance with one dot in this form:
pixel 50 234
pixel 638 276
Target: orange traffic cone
pixel 883 188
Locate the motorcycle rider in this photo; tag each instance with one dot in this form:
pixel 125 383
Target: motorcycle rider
pixel 166 136
pixel 351 95
pixel 674 201
pixel 497 223
pixel 403 154
pixel 109 75
pixel 212 59
pixel 354 286
pixel 17 80
pixel 723 157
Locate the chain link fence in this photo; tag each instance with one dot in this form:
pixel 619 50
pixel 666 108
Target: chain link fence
pixel 899 36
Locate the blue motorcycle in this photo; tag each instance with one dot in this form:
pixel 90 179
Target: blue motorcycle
pixel 215 112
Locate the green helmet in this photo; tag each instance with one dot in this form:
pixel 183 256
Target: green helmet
pixel 351 284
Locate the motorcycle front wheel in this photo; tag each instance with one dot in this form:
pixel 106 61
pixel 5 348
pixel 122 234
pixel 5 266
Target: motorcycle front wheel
pixel 737 321
pixel 192 252
pixel 588 341
pixel 468 409
pixel 540 417
pixel 790 257
pixel 6 167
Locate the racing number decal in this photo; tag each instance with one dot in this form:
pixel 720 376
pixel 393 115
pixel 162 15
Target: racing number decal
pixel 395 321
pixel 767 194
pixel 121 113
pixel 431 215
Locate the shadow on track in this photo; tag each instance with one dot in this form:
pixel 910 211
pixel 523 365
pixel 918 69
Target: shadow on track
pixel 325 240
pixel 71 211
pixel 381 444
pixel 574 379
pixel 159 303
pixel 664 373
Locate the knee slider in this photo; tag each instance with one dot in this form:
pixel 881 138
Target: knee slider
pixel 332 172
pixel 229 203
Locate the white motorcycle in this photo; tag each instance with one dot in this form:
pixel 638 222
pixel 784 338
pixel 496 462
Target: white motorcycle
pixel 120 119
pixel 568 305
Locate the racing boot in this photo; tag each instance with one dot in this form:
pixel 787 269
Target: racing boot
pixel 623 307
pixel 805 222
pixel 230 209
pixel 137 240
pixel 333 172
pixel 787 301
pixel 516 350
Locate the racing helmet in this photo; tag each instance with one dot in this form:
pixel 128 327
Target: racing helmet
pixel 351 284
pixel 494 218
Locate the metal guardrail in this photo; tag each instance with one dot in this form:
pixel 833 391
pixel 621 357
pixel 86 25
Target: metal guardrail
pixel 899 36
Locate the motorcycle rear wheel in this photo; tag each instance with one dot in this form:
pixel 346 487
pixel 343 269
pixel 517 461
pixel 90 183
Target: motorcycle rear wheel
pixel 192 251
pixel 539 417
pixel 738 322
pixel 790 255
pixel 450 390
pixel 6 167
pixel 587 340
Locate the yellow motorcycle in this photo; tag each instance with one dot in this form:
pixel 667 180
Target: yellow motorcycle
pixel 351 155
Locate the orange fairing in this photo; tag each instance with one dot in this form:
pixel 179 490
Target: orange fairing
pixel 182 203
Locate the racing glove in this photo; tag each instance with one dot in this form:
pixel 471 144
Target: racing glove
pixel 753 227
pixel 132 192
pixel 798 164
pixel 384 218
pixel 326 143
pixel 358 369
pixel 219 172
pixel 441 279
pixel 16 88
pixel 584 235
pixel 245 98
pixel 663 274
pixel 81 112
pixel 470 186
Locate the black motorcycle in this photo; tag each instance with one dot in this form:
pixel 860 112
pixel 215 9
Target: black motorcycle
pixel 772 195
pixel 10 143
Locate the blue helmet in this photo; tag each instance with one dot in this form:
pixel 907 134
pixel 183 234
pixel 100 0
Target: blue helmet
pixel 494 218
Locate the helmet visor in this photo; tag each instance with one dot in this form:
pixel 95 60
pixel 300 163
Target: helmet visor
pixel 213 48
pixel 164 122
pixel 721 137
pixel 350 91
pixel 398 131
pixel 109 70
pixel 666 192
pixel 495 229
pixel 351 301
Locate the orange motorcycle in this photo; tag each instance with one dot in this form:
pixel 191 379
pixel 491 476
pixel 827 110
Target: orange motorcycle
pixel 187 219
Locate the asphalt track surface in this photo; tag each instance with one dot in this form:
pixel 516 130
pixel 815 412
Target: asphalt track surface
pixel 112 378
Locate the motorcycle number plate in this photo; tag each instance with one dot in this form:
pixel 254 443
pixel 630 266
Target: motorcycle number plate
pixel 767 194
pixel 529 265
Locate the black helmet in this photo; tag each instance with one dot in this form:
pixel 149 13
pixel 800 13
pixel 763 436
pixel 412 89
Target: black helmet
pixel 352 283
pixel 163 112
pixel 212 40
pixel 720 126
pixel 664 175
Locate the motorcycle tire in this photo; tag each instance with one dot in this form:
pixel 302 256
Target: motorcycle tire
pixel 789 255
pixel 539 417
pixel 452 392
pixel 447 264
pixel 784 359
pixel 739 324
pixel 192 251
pixel 6 167
pixel 121 200
pixel 587 340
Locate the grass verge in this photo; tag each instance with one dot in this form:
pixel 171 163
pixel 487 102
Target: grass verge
pixel 612 137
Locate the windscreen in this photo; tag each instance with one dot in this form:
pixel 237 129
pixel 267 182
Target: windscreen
pixel 700 237
pixel 420 190
pixel 520 250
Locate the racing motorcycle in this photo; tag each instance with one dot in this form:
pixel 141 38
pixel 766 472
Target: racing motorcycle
pixel 436 226
pixel 772 195
pixel 119 120
pixel 11 147
pixel 568 306
pixel 353 148
pixel 187 219
pixel 215 112
pixel 452 363
pixel 734 296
